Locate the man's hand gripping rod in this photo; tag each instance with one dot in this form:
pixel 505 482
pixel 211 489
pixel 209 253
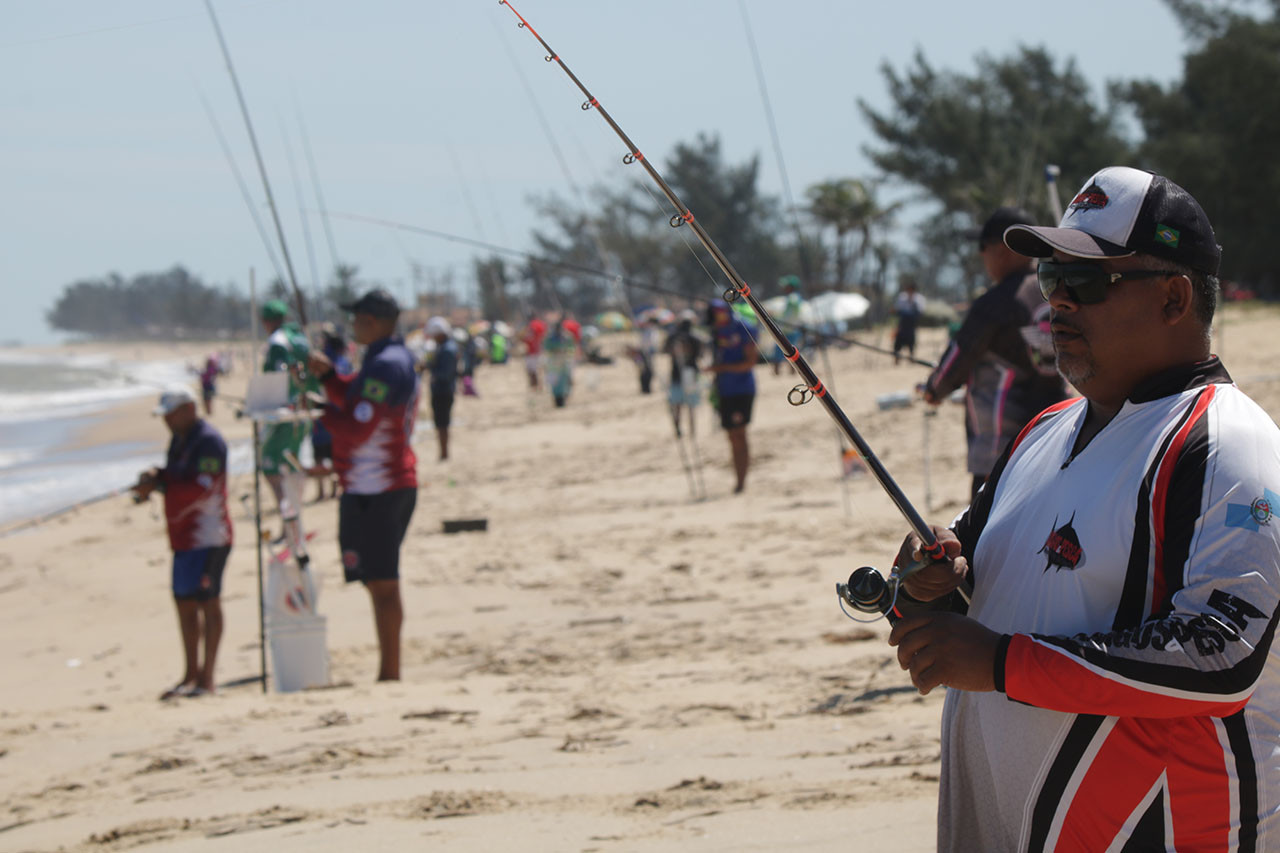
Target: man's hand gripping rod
pixel 867 590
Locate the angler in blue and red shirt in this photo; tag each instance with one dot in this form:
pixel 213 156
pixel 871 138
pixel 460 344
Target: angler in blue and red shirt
pixel 370 415
pixel 194 483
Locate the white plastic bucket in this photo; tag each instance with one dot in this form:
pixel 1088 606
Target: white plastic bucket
pixel 299 657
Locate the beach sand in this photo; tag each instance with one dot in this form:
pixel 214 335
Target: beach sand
pixel 611 666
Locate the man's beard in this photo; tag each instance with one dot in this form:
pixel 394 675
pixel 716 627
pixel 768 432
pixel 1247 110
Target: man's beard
pixel 1076 369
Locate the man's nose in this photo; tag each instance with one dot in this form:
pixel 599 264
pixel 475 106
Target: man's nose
pixel 1060 299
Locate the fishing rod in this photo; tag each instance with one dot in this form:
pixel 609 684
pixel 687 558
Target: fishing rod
pixel 262 169
pixel 812 387
pixel 1051 173
pixel 629 282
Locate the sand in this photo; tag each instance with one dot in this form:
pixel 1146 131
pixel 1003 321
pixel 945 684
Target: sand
pixel 611 666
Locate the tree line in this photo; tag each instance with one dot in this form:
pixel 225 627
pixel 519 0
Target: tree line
pixel 177 304
pixel 949 147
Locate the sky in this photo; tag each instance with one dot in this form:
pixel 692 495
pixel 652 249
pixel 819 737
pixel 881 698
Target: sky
pixel 427 112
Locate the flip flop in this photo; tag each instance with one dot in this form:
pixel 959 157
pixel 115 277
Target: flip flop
pixel 176 691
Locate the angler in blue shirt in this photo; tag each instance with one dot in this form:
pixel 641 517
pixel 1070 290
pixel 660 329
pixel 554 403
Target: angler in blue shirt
pixel 735 384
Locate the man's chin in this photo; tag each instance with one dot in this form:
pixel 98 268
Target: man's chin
pixel 1075 370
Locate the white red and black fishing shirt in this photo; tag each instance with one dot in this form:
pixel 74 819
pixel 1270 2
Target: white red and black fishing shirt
pixel 1136 585
pixel 371 416
pixel 194 480
pixel 1003 355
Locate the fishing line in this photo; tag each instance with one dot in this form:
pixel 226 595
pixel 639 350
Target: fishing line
pixel 315 184
pixel 244 189
pixel 812 386
pixel 302 212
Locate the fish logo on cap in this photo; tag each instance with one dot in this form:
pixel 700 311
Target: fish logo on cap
pixel 1092 197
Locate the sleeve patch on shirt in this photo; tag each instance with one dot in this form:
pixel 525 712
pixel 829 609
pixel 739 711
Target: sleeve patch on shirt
pixel 1253 515
pixel 210 465
pixel 364 411
pixel 374 390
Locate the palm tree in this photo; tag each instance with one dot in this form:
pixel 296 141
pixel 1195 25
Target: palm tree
pixel 850 207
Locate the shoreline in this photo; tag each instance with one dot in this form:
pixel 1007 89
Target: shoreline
pixel 111 440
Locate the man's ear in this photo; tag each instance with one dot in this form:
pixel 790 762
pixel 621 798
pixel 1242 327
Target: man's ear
pixel 1179 296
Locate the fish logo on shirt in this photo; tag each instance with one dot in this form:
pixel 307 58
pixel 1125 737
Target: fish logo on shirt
pixel 1062 549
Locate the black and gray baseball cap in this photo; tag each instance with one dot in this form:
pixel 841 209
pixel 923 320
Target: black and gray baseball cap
pixel 376 303
pixel 998 222
pixel 1121 211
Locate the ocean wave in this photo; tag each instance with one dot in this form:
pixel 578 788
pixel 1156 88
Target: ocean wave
pixel 54 387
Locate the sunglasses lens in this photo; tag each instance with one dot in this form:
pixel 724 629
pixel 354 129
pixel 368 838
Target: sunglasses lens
pixel 1086 284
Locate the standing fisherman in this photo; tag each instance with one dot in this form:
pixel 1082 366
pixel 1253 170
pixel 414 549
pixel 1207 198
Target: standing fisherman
pixel 371 415
pixel 287 352
pixel 194 483
pixel 735 384
pixel 1000 354
pixel 909 307
pixel 685 348
pixel 444 378
pixel 335 349
pixel 561 352
pixel 532 337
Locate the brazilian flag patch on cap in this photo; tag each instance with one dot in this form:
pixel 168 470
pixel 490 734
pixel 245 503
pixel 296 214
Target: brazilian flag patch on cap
pixel 374 390
pixel 1168 236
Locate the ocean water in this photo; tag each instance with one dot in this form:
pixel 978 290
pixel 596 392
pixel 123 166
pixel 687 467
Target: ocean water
pixel 47 459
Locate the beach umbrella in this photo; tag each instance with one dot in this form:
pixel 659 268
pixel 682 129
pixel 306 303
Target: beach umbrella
pixel 614 321
pixel 833 307
pixel 661 316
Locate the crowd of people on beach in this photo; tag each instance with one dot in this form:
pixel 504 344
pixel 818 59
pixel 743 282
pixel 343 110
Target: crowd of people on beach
pixel 1116 573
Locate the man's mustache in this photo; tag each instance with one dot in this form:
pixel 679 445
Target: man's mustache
pixel 1058 322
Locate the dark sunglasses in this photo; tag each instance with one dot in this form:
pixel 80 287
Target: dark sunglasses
pixel 1086 283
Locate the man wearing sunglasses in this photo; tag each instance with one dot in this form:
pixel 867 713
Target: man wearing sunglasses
pixel 1119 574
pixel 1000 354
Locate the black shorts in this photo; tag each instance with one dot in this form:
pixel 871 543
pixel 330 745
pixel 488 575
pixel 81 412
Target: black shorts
pixel 441 408
pixel 370 530
pixel 735 410
pixel 322 451
pixel 197 574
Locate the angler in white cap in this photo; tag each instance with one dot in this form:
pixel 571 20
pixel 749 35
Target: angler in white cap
pixel 194 483
pixel 443 370
pixel 1119 572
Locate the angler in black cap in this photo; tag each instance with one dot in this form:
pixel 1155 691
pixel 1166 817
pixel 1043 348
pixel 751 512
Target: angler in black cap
pixel 1125 556
pixel 1002 353
pixel 370 415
